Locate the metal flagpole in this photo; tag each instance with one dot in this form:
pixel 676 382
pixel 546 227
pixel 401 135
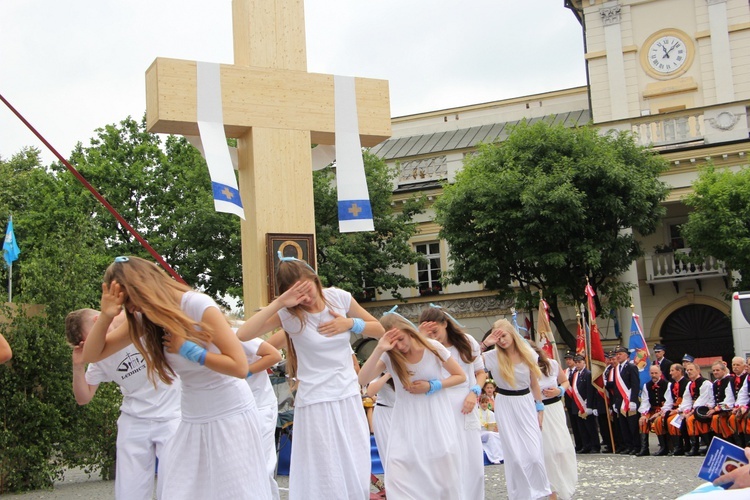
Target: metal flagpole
pixel 10 282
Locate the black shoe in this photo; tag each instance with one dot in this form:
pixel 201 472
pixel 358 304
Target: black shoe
pixel 596 450
pixel 584 451
pixel 634 452
pixel 578 450
pixel 624 451
pixel 606 449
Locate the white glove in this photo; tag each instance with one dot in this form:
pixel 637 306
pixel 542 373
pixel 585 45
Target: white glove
pixel 589 411
pixel 595 412
pixel 632 407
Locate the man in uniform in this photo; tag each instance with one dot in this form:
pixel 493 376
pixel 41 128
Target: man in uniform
pixel 738 420
pixel 723 401
pixel 626 399
pixel 652 400
pixel 699 394
pixel 663 363
pixel 583 394
pixel 670 410
pixel 570 406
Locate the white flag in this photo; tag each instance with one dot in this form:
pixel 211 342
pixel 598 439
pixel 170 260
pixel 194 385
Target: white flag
pixel 355 213
pixel 214 141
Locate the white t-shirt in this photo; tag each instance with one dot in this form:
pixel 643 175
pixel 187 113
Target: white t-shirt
pixel 127 368
pixel 325 369
pixel 260 383
pixel 207 395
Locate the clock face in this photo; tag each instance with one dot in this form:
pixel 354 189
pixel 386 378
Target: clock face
pixel 667 54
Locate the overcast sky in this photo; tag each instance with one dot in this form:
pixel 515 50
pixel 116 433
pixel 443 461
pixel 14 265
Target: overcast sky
pixel 71 67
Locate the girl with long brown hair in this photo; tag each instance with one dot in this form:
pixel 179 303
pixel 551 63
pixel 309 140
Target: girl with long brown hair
pixel 217 449
pixel 331 452
pixel 519 411
pixel 422 459
pixel 439 325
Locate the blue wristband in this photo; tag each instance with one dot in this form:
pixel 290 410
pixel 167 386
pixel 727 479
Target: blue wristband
pixel 539 406
pixel 193 352
pixel 435 385
pixel 562 390
pixel 358 327
pixel 476 389
pixel 249 374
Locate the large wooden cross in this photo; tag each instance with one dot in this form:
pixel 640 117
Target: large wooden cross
pixel 276 110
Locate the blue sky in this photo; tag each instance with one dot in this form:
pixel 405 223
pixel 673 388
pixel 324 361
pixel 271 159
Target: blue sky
pixel 71 67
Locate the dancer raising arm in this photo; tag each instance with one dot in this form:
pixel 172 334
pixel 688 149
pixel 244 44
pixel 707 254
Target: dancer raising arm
pixel 423 460
pixel 217 451
pixel 519 411
pixel 331 452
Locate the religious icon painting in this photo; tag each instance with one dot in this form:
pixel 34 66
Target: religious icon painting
pixel 299 246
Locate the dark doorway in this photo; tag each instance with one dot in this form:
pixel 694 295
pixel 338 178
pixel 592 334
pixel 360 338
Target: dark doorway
pixel 698 330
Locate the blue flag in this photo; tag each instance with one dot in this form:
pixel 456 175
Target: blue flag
pixel 10 247
pixel 639 350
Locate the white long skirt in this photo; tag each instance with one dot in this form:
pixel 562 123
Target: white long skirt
pixel 268 417
pixel 381 426
pixel 559 452
pixel 471 462
pixel 330 451
pixel 525 475
pixel 219 459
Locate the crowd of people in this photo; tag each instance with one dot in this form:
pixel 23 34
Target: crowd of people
pixel 197 398
pixel 681 407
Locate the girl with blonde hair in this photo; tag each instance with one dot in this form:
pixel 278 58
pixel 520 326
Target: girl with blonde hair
pixel 519 411
pixel 422 460
pixel 217 449
pixel 331 451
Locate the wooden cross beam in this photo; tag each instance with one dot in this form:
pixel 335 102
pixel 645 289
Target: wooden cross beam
pixel 276 110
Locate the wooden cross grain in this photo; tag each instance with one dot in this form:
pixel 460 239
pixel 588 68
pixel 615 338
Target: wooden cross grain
pixel 275 109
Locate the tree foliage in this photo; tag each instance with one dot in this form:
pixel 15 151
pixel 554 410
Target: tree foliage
pixel 548 208
pixel 367 260
pixel 164 192
pixel 719 226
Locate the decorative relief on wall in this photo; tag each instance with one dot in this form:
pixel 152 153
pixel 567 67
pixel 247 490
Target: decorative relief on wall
pixel 610 15
pixel 458 308
pixel 724 121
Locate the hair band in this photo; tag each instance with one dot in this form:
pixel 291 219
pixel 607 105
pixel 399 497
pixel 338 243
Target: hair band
pixel 393 311
pixel 293 259
pixel 447 314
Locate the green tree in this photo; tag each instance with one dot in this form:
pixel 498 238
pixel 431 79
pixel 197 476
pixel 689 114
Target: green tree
pixel 58 268
pixel 164 192
pixel 548 208
pixel 367 260
pixel 719 226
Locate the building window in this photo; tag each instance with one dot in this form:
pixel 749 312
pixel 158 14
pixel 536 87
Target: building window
pixel 425 170
pixel 675 237
pixel 428 273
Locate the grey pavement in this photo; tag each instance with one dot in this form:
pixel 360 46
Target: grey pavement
pixel 599 477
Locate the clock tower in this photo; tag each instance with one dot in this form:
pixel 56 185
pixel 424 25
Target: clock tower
pixel 651 57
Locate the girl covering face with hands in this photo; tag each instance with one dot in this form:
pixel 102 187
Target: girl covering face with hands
pixel 331 451
pixel 422 460
pixel 216 451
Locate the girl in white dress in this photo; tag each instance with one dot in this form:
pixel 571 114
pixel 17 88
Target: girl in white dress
pixel 331 445
pixel 422 459
pixel 260 357
pixel 559 452
pixel 518 410
pixel 438 325
pixel 217 451
pixel 385 391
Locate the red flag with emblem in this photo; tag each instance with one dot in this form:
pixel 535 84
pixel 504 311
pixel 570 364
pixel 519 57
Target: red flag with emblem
pixel 598 362
pixel 546 337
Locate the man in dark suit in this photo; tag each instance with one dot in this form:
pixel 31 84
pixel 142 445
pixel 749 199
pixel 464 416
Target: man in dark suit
pixel 584 393
pixel 570 406
pixel 626 400
pixel 663 363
